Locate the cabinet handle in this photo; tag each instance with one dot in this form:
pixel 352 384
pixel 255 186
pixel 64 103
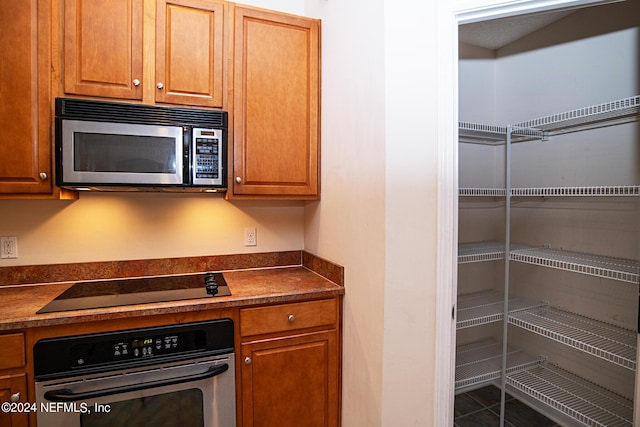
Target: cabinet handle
pixel 43 176
pixel 136 82
pixel 247 360
pixel 238 179
pixel 15 397
pixel 292 318
pixel 160 85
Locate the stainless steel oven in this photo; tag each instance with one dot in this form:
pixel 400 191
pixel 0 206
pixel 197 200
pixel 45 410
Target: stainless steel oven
pixel 170 376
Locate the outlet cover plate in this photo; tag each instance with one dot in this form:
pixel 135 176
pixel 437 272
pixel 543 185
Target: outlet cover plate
pixel 8 247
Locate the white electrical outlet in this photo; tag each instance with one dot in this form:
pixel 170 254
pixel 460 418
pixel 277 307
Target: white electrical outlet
pixel 250 238
pixel 8 247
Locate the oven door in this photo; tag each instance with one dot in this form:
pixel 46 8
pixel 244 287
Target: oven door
pixel 196 393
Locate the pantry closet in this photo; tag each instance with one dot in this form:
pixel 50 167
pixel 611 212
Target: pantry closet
pixel 549 214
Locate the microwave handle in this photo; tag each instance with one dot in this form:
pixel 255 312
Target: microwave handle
pixel 64 395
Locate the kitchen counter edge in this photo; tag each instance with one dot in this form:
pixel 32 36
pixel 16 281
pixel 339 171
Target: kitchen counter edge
pixel 19 304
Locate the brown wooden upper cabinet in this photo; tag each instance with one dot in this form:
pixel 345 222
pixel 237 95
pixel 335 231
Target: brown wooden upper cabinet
pixel 25 81
pixel 110 49
pixel 103 48
pixel 275 106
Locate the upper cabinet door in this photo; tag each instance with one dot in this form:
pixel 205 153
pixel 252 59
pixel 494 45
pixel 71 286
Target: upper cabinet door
pixel 25 90
pixel 189 43
pixel 103 48
pixel 276 105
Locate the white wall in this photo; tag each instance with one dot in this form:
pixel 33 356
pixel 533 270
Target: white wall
pixel 348 224
pixel 378 211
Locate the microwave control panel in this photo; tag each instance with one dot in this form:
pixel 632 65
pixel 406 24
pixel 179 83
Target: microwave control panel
pixel 207 156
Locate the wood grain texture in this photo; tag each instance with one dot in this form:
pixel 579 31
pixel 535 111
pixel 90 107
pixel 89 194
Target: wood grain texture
pixel 25 140
pixel 103 48
pixel 276 105
pixel 189 52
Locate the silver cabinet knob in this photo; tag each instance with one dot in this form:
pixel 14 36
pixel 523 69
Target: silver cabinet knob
pixel 136 82
pixel 15 397
pixel 43 175
pixel 238 179
pixel 160 85
pixel 247 360
pixel 292 318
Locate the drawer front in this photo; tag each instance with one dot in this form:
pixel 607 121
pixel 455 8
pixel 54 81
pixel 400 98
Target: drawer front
pixel 12 353
pixel 287 317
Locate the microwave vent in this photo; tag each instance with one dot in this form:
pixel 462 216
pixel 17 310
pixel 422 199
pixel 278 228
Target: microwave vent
pixel 117 112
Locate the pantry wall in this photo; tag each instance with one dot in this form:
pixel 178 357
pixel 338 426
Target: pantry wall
pixel 543 189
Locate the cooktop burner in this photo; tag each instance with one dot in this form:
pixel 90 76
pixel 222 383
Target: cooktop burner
pixel 143 290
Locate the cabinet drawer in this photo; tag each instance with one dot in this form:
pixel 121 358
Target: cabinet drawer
pixel 287 317
pixel 12 351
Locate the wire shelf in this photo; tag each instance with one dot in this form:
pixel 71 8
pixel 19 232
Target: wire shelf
pixel 485 134
pixel 481 362
pixel 486 250
pixel 480 308
pixel 482 192
pixel 599 339
pixel 574 396
pixel 480 251
pixel 594 191
pixel 625 270
pixel 478 133
pixel 614 112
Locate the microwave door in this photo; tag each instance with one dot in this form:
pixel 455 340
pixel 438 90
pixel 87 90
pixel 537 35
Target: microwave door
pixel 101 153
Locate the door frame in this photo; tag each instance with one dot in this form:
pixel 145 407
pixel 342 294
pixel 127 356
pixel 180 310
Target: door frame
pixel 451 14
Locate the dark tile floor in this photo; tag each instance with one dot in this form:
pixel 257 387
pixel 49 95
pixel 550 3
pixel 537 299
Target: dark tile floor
pixel 481 408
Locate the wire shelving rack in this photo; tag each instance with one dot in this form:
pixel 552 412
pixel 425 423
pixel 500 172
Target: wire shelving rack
pixel 600 339
pixel 625 270
pixel 573 396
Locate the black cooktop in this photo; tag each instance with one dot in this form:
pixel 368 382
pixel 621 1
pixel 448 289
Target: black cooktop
pixel 142 290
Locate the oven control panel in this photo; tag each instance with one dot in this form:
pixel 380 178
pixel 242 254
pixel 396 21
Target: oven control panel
pixel 146 346
pixel 60 356
pixel 154 345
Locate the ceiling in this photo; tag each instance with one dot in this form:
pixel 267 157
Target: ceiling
pixel 496 33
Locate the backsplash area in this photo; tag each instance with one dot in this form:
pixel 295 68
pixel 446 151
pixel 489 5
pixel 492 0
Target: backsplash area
pixel 53 273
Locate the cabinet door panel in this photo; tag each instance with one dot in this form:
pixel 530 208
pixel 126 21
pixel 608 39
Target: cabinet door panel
pixel 9 386
pixel 289 380
pixel 189 43
pixel 25 140
pixel 275 104
pixel 103 48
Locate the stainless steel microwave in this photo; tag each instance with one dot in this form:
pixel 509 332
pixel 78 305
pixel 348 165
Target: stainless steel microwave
pixel 110 146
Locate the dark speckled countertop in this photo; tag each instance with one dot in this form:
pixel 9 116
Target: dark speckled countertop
pixel 252 286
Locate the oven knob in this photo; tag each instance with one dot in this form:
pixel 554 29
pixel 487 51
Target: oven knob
pixel 80 361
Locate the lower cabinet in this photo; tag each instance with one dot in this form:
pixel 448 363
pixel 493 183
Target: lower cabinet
pixel 13 390
pixel 13 381
pixel 290 359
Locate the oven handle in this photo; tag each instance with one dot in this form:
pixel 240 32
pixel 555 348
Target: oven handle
pixel 64 395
